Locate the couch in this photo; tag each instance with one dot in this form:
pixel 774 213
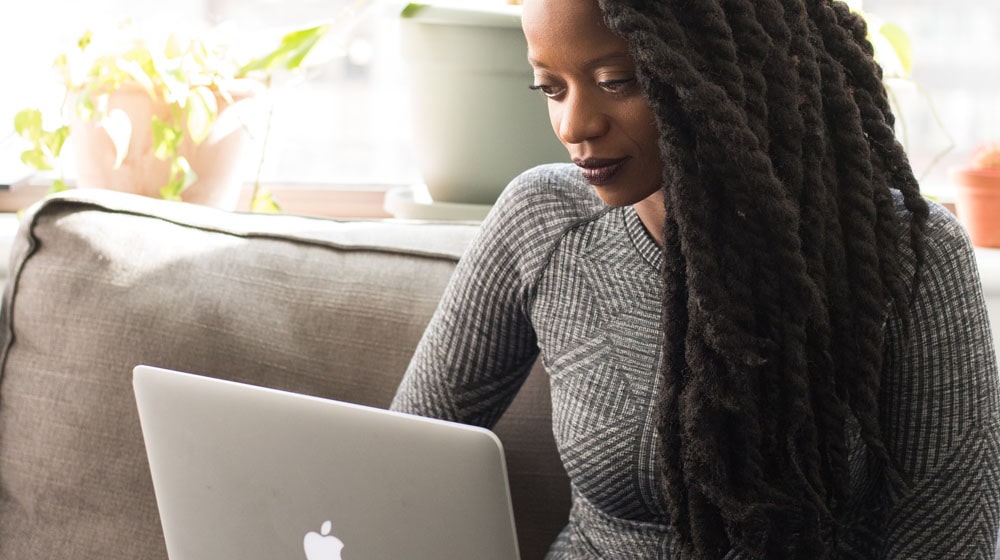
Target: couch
pixel 102 281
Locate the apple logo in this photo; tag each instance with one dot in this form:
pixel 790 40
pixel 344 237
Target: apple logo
pixel 322 547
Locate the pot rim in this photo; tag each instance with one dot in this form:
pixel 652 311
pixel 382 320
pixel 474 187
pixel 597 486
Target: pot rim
pixel 459 12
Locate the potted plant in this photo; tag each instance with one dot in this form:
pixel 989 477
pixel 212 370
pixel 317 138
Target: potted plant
pixel 476 124
pixel 977 195
pixel 162 116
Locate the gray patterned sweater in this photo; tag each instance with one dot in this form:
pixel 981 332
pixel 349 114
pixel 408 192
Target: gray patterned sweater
pixel 554 271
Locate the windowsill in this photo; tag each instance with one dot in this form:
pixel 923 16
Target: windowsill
pixel 328 201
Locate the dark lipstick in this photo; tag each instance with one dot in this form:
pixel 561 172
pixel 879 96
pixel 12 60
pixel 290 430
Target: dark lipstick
pixel 600 171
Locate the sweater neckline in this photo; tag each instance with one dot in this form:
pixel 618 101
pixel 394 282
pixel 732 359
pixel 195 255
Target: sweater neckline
pixel 642 240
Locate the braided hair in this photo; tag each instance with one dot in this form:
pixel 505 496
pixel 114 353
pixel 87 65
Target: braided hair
pixel 781 246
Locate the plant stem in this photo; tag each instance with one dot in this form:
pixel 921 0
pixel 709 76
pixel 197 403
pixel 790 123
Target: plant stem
pixel 898 110
pixel 263 152
pixel 940 124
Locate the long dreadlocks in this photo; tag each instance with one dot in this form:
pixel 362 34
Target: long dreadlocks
pixel 780 163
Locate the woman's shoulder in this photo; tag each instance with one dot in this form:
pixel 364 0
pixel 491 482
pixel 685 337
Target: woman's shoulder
pixel 944 240
pixel 949 271
pixel 532 215
pixel 550 192
pixel 540 205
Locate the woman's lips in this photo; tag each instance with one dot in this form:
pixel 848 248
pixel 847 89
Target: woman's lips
pixel 600 171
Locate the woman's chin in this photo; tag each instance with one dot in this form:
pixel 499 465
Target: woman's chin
pixel 611 197
pixel 618 197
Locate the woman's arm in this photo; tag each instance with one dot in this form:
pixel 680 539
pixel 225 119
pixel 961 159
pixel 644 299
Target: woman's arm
pixel 940 411
pixel 480 345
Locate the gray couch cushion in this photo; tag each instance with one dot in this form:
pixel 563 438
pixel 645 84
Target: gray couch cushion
pixel 102 281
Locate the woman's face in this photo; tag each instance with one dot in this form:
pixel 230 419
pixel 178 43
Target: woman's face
pixel 594 102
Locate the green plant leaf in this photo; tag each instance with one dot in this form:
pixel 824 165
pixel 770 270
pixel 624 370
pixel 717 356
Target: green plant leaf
pixel 290 53
pixel 181 177
pixel 172 48
pixel 200 53
pixel 173 189
pixel 53 141
pixel 202 110
pixel 167 73
pixel 411 9
pixel 166 139
pixel 182 166
pixel 58 185
pixel 263 202
pixel 28 124
pixel 85 106
pixel 138 72
pixel 36 158
pixel 175 89
pixel 102 102
pixel 901 46
pixel 119 128
pixel 62 68
pixel 84 41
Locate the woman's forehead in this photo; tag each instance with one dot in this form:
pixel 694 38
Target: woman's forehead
pixel 566 26
pixel 580 14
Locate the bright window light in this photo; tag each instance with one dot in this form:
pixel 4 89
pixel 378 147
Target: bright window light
pixel 954 96
pixel 344 121
pixel 347 120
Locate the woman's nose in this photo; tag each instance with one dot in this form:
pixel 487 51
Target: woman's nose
pixel 580 119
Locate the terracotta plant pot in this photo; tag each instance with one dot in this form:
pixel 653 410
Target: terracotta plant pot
pixel 217 160
pixel 977 203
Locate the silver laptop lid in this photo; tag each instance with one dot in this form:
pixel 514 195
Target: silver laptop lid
pixel 248 473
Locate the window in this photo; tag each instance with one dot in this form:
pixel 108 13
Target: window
pixel 348 123
pixel 956 61
pixel 345 122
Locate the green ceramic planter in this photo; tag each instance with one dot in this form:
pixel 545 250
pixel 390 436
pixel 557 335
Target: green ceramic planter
pixel 476 123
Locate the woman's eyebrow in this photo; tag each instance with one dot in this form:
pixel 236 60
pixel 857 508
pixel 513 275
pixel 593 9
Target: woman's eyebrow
pixel 614 57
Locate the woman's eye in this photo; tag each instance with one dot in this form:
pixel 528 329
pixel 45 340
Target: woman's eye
pixel 547 91
pixel 617 86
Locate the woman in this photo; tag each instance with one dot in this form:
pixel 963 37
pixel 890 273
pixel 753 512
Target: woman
pixel 762 341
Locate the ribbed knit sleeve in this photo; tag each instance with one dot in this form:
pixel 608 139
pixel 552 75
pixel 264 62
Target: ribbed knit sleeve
pixel 480 343
pixel 940 410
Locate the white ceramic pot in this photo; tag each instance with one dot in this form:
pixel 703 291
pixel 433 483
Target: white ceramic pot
pixel 476 123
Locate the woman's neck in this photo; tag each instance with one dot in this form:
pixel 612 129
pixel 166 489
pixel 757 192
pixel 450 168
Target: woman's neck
pixel 652 214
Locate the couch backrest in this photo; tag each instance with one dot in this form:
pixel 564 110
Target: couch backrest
pixel 100 282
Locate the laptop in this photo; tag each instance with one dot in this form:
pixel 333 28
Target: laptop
pixel 248 473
